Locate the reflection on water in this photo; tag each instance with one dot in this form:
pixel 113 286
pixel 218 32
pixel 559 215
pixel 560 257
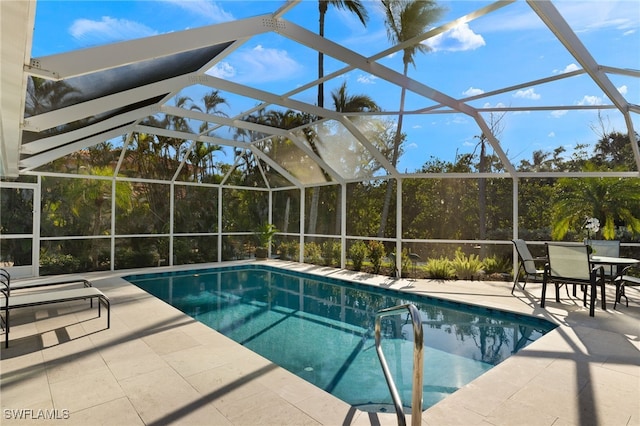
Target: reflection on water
pixel 322 330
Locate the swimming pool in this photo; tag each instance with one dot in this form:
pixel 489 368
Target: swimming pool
pixel 322 329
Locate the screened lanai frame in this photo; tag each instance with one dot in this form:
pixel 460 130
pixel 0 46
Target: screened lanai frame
pixel 29 146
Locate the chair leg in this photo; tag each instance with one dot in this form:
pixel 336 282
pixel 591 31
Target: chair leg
pixel 6 328
pixel 515 281
pixel 622 294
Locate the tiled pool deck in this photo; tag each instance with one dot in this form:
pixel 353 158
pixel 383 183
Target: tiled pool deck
pixel 156 366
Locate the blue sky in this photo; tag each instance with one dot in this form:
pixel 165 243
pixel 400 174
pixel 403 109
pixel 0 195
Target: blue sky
pixel 504 48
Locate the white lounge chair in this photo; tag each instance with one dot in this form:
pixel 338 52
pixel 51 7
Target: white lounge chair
pixel 9 301
pixel 28 283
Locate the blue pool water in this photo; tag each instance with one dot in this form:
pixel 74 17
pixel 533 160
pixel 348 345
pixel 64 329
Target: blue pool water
pixel 322 329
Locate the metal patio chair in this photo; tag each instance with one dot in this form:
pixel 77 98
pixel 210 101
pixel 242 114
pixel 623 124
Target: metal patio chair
pixel 527 268
pixel 625 280
pixel 570 265
pixel 609 248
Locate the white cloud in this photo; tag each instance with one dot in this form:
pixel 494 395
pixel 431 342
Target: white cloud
pixel 108 30
pixel 569 68
pixel 472 91
pixel 457 39
pixel 498 105
pixel 590 100
pixel 222 70
pixel 551 135
pixel 623 89
pixel 366 79
pixel 204 8
pixel 257 65
pixel 591 16
pixel 559 113
pixel 581 16
pixel 527 94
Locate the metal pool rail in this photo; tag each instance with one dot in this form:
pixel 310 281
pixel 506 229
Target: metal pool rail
pixel 416 402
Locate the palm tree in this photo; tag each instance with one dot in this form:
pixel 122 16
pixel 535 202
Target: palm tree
pixel 609 199
pixel 46 95
pixel 354 6
pixel 343 102
pixel 201 152
pixel 405 19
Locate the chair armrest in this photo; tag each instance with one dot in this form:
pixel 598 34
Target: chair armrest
pixel 626 269
pixel 597 269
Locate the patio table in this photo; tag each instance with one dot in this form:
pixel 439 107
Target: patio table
pixel 619 262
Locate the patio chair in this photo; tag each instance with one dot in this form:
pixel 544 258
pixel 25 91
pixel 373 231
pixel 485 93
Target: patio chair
pixel 610 248
pixel 527 268
pixel 9 302
pixel 625 280
pixel 569 265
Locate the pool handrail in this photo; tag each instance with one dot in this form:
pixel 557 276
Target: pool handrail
pixel 416 402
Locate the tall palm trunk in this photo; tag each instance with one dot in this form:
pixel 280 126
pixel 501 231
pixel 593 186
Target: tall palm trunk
pixel 482 197
pixel 394 159
pixel 322 9
pixel 315 196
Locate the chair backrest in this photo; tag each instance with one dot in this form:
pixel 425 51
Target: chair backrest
pixel 5 285
pixel 525 256
pixel 569 261
pixel 609 248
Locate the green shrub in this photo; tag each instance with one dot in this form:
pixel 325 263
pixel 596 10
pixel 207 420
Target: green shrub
pixel 405 263
pixel 331 251
pixel 312 253
pixel 58 264
pixel 127 257
pixel 439 268
pixel 466 267
pixel 357 253
pixel 376 253
pixel 289 250
pixel 494 264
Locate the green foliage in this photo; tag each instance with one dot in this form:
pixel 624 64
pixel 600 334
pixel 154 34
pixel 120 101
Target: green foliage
pixel 57 263
pixel 331 252
pixel 405 263
pixel 289 250
pixel 609 199
pixel 357 253
pixel 466 267
pixel 439 268
pixel 128 257
pixel 264 233
pixel 376 253
pixel 312 253
pixel 494 264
